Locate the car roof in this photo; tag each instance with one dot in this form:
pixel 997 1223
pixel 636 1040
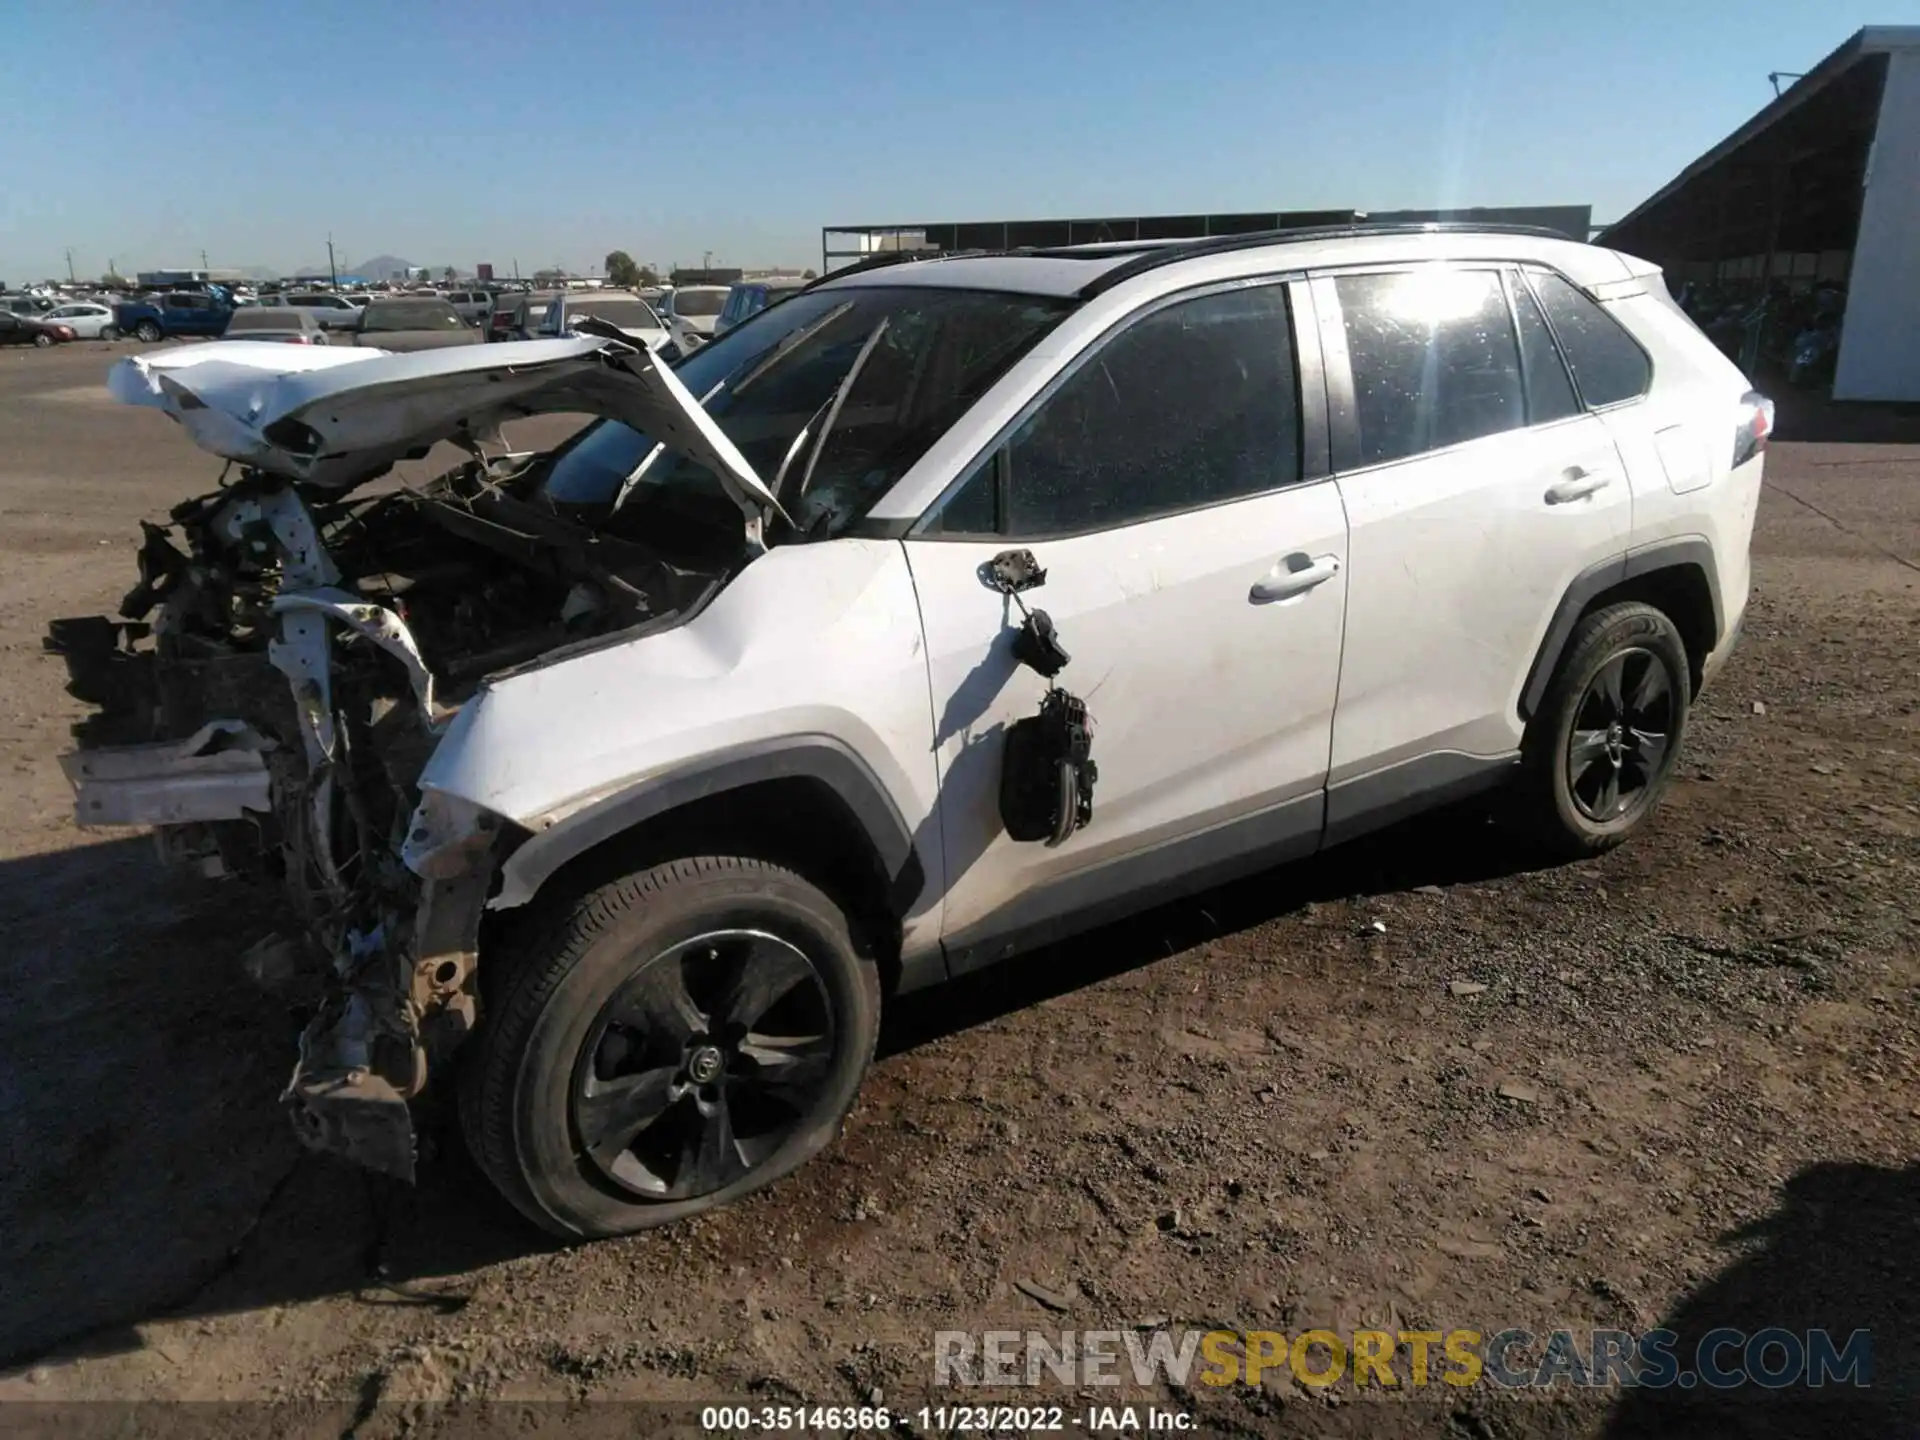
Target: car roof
pixel 1083 270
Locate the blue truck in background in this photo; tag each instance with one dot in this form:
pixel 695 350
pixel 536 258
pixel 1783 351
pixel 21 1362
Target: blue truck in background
pixel 181 312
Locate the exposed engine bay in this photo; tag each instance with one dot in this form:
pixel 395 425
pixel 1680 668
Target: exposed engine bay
pixel 272 688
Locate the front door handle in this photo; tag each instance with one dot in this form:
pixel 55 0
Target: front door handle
pixel 1294 575
pixel 1576 484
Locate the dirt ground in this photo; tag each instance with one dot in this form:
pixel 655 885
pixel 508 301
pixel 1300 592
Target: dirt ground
pixel 1255 1110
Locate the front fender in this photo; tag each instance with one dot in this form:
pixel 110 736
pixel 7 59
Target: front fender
pixel 811 662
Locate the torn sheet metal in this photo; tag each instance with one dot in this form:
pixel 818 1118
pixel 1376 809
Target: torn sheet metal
pixel 216 773
pixel 382 627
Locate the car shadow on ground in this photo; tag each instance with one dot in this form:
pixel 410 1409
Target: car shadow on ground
pixel 151 1170
pixel 1840 1253
pixel 154 1173
pixel 1454 846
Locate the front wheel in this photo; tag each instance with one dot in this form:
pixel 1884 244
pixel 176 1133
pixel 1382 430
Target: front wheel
pixel 148 331
pixel 670 1042
pixel 43 341
pixel 1602 748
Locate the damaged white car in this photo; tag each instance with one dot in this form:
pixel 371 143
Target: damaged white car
pixel 637 772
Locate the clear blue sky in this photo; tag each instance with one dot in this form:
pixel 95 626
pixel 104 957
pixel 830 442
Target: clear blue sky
pixel 450 133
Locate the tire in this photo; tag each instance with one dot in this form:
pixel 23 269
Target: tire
pixel 148 331
pixel 110 332
pixel 43 341
pixel 613 1006
pixel 1580 740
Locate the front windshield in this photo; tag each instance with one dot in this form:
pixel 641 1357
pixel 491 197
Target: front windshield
pixel 881 373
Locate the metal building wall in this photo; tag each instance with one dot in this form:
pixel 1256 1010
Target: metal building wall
pixel 1880 342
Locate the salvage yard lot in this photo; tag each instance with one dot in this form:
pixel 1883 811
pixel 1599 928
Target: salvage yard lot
pixel 1419 1083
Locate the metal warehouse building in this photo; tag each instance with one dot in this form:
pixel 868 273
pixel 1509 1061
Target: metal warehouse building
pixel 841 244
pixel 1821 185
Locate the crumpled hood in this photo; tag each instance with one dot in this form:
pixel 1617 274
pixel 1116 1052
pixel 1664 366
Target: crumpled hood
pixel 335 416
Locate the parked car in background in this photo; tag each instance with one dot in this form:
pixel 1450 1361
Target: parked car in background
pixel 182 312
pixel 518 317
pixel 750 297
pixel 88 319
pixel 276 322
pixel 620 308
pixel 336 312
pixel 692 312
pixel 475 306
pixel 31 330
pixel 25 304
pixel 413 322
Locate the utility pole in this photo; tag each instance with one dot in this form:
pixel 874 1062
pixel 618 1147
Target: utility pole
pixel 333 273
pixel 516 269
pixel 69 264
pixel 203 259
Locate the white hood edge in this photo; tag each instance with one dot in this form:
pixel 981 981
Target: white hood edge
pixel 341 420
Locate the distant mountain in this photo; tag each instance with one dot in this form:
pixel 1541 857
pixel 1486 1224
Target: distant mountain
pixel 378 268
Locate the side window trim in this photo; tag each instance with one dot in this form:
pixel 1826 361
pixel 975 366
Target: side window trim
pixel 1531 268
pixel 1343 422
pixel 1310 377
pixel 1511 279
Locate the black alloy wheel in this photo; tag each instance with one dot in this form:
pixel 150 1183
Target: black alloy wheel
pixel 703 1064
pixel 1621 734
pixel 1600 750
pixel 665 1041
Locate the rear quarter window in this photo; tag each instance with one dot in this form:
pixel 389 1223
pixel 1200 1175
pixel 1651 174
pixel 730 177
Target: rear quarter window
pixel 1608 364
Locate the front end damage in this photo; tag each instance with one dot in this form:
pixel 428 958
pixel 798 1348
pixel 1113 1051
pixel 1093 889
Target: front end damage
pixel 273 686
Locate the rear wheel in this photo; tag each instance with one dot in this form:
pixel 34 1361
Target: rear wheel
pixel 673 1041
pixel 1602 748
pixel 110 332
pixel 148 331
pixel 43 340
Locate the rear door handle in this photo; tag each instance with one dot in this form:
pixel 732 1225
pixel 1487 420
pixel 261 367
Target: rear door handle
pixel 1294 575
pixel 1575 485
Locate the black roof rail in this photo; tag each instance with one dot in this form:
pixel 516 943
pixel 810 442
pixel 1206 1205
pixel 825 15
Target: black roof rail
pixel 1175 251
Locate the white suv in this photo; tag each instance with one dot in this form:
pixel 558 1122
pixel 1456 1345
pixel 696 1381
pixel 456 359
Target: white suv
pixel 944 608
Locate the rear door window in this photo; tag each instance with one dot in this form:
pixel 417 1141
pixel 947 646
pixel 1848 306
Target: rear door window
pixel 1608 364
pixel 1434 360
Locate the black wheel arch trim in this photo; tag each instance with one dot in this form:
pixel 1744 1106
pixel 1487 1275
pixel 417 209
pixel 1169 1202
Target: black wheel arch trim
pixel 1681 552
pixel 814 757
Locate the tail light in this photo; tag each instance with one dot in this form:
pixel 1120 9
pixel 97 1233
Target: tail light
pixel 299 340
pixel 1753 428
pixel 65 331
